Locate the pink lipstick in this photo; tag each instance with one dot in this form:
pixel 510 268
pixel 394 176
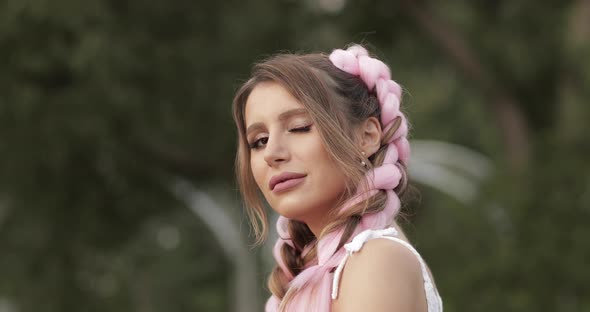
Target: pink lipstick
pixel 285 180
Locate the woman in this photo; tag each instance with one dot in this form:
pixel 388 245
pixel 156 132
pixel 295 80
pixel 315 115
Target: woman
pixel 323 140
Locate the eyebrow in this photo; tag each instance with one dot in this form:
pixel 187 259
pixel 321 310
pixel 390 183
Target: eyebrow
pixel 283 116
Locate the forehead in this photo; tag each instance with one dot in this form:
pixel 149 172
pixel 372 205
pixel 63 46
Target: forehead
pixel 267 101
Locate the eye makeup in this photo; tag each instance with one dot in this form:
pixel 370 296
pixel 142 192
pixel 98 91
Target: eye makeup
pixel 295 123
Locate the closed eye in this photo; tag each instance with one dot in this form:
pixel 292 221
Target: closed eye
pixel 301 129
pixel 260 143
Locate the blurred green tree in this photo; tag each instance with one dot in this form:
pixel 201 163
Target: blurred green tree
pixel 102 103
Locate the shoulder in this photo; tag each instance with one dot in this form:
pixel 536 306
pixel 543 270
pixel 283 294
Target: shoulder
pixel 383 276
pixel 388 255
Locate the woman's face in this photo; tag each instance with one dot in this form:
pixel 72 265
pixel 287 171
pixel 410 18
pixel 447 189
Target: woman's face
pixel 288 158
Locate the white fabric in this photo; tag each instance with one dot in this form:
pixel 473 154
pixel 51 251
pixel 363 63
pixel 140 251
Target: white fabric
pixel 433 299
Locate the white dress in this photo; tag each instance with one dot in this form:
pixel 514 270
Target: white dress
pixel 433 299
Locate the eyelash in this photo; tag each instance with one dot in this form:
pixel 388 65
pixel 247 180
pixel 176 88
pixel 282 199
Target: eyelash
pixel 256 144
pixel 301 129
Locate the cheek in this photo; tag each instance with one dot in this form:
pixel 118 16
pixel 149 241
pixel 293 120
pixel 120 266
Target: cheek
pixel 332 180
pixel 257 168
pixel 331 175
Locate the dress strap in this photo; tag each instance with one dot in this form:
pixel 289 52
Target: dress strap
pixel 433 299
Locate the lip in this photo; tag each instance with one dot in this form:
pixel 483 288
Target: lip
pixel 285 177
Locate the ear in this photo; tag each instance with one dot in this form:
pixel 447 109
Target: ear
pixel 369 134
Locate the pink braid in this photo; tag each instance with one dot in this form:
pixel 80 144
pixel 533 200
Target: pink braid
pixel 313 285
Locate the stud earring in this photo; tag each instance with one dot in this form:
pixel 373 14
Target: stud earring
pixel 363 163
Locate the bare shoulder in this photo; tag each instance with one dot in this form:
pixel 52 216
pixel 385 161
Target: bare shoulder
pixel 383 276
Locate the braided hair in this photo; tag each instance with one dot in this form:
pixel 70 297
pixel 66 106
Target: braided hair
pixel 339 90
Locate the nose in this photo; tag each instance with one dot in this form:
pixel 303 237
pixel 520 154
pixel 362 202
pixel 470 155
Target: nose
pixel 275 151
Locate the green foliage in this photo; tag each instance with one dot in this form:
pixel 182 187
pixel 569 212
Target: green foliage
pixel 103 102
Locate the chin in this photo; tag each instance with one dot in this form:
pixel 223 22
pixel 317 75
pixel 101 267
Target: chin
pixel 298 210
pixel 295 211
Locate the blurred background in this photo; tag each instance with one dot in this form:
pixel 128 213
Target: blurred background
pixel 117 147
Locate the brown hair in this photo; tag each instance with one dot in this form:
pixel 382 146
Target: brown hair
pixel 337 102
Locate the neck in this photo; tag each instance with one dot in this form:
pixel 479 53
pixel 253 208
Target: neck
pixel 317 223
pixel 316 227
